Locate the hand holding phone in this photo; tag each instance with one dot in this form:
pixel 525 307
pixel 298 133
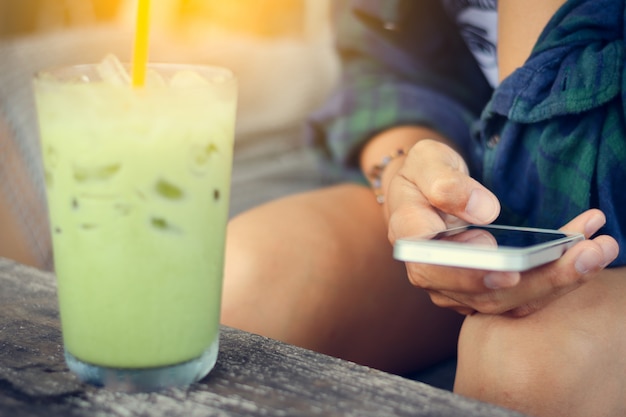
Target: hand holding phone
pixel 492 247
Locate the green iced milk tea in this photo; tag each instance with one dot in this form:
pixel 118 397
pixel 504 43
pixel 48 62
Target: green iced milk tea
pixel 138 190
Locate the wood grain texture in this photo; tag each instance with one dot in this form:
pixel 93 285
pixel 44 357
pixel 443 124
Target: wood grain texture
pixel 254 375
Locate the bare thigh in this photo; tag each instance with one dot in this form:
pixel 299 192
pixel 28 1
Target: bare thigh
pixel 568 359
pixel 316 270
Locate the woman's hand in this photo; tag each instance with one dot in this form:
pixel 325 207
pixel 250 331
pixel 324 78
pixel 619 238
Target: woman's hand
pixel 433 191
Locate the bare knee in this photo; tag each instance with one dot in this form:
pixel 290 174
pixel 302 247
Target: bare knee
pixel 287 262
pixel 496 366
pixel 260 285
pixel 542 365
pixel 316 270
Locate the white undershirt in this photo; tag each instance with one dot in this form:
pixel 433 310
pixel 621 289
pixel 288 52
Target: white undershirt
pixel 478 24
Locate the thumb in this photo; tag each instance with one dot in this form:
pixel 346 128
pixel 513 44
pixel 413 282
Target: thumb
pixel 442 176
pixel 481 207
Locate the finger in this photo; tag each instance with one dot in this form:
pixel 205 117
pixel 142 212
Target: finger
pixel 443 301
pixel 542 285
pixel 416 210
pixel 442 177
pixel 464 290
pixel 446 279
pixel 520 297
pixel 578 265
pixel 597 254
pixel 497 280
pixel 588 223
pixel 411 214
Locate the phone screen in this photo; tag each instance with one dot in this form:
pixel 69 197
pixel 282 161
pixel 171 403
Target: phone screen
pixel 504 237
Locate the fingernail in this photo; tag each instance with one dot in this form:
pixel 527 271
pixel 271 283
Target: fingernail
pixel 481 206
pixel 594 225
pixel 589 260
pixel 611 251
pixel 498 280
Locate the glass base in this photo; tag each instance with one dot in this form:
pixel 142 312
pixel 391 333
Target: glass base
pixel 148 379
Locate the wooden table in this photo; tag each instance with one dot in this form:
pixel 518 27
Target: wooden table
pixel 254 375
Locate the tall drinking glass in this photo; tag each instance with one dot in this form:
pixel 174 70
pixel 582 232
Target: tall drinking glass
pixel 138 185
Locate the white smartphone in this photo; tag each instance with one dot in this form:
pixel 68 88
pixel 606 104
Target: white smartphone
pixel 491 247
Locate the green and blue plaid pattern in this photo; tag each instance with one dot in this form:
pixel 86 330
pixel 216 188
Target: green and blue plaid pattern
pixel 550 141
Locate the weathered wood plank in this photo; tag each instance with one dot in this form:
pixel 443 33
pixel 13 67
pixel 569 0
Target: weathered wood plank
pixel 254 376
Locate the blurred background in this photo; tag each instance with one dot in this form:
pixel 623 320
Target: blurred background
pixel 258 17
pixel 280 50
pixel 269 44
pixel 19 17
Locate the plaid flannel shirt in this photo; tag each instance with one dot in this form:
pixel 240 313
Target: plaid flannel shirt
pixel 549 141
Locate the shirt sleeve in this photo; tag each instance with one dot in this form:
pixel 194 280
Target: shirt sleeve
pixel 554 134
pixel 403 63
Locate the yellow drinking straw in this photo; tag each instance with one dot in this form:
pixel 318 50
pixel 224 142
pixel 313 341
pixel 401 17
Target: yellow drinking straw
pixel 140 53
